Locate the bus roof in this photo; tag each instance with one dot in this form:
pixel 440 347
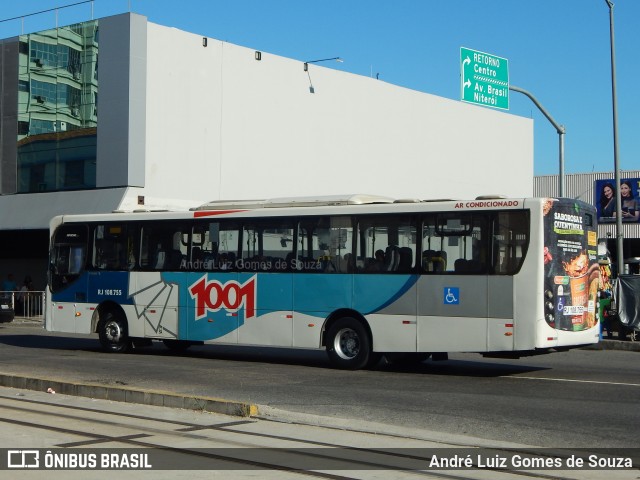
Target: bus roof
pixel 324 205
pixel 327 200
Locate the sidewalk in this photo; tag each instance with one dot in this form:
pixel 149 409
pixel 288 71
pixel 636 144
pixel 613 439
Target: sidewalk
pixel 615 344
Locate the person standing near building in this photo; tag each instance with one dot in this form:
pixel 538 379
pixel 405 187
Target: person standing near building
pixel 23 298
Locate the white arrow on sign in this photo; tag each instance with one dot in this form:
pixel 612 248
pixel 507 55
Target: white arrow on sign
pixel 466 61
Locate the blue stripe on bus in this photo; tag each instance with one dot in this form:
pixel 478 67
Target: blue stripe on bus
pixel 313 294
pixel 389 287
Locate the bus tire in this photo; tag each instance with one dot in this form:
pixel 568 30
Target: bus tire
pixel 348 344
pixel 113 333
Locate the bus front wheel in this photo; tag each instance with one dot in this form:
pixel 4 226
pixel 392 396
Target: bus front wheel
pixel 348 344
pixel 112 330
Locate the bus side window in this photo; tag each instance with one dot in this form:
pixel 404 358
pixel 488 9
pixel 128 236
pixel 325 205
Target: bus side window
pixel 113 247
pixel 510 240
pixel 224 254
pixel 434 258
pixel 458 243
pixel 324 245
pixel 386 244
pixel 164 246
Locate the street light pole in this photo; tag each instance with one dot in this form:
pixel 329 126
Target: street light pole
pixel 559 128
pixel 306 64
pixel 616 165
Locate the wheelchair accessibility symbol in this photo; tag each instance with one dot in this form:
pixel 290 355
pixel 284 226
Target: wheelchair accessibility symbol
pixel 451 296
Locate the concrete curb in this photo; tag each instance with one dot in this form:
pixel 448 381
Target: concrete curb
pixel 131 395
pixel 606 344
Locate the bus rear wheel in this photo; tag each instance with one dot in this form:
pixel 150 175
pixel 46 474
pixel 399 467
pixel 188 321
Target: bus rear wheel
pixel 348 344
pixel 112 331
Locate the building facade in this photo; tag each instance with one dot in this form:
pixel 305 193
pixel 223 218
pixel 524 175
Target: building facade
pixel 121 114
pixel 57 113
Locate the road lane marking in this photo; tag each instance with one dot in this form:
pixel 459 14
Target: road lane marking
pixel 576 381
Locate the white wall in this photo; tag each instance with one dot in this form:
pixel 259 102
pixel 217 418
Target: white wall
pixel 221 125
pixel 121 104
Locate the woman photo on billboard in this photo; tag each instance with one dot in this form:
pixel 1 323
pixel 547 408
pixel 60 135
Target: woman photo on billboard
pixel 608 200
pixel 629 203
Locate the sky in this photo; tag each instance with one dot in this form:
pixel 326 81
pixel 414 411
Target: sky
pixel 558 50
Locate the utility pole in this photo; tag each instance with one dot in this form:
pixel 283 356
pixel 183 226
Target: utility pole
pixel 559 128
pixel 616 164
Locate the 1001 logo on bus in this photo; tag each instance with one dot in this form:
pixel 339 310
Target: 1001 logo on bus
pixel 212 296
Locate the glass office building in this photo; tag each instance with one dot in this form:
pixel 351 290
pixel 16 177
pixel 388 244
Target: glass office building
pixel 57 109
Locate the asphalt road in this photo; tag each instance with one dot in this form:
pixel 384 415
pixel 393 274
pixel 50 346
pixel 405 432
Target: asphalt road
pixel 581 398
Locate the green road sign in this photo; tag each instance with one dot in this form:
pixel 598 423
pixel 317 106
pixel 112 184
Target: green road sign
pixel 484 79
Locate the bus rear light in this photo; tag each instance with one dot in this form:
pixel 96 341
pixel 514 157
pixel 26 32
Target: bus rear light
pixel 152 311
pixel 60 307
pixel 78 314
pixel 288 316
pixel 551 339
pixel 508 334
pixel 311 325
pixel 508 325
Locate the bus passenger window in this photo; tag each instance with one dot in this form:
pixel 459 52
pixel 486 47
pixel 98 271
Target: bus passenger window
pixel 164 246
pixel 324 245
pixel 455 243
pixel 113 247
pixel 387 244
pixel 510 241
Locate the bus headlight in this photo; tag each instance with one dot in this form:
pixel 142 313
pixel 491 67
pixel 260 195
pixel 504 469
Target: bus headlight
pixel 549 306
pixel 549 294
pixel 550 318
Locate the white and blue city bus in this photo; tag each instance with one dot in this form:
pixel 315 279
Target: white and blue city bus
pixel 361 276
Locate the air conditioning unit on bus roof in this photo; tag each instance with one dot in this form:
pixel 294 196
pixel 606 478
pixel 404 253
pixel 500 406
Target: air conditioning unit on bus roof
pixel 491 197
pixel 328 200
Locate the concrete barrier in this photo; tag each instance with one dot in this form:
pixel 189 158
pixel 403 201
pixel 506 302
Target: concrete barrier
pixel 131 395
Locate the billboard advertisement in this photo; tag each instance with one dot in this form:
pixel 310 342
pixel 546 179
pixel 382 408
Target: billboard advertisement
pixel 570 264
pixel 605 199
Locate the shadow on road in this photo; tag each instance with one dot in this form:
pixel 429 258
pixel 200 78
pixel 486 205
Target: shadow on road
pixel 268 355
